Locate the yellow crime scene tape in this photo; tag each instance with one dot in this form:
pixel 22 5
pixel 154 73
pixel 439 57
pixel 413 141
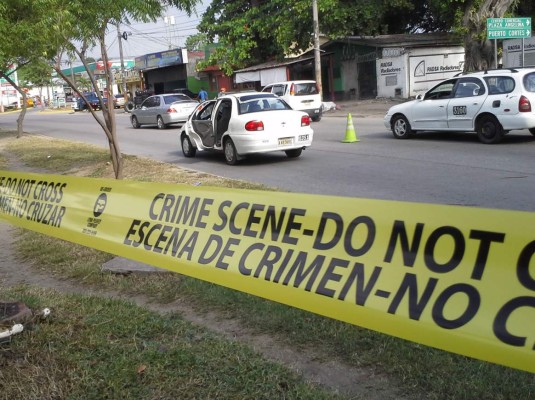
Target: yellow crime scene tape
pixel 460 279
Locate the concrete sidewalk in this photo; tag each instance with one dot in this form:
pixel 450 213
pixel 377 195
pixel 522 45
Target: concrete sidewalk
pixel 362 108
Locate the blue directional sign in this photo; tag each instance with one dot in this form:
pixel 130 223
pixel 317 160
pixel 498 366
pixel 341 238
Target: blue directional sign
pixel 508 28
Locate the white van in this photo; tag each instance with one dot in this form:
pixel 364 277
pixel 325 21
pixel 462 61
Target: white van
pixel 300 95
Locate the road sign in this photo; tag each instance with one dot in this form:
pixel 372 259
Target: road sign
pixel 508 28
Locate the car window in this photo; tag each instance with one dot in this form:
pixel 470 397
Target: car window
pixel 206 112
pixel 469 87
pixel 175 97
pixel 278 90
pixel 305 89
pixel 267 89
pixel 500 84
pixel 147 102
pixel 441 91
pixel 529 82
pixel 262 104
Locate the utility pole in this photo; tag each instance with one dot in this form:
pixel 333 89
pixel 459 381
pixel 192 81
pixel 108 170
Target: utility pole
pixel 120 37
pixel 317 55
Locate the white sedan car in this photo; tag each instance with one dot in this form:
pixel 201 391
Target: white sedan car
pixel 490 103
pixel 163 110
pixel 246 123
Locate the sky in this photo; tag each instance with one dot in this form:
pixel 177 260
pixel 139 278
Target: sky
pixel 143 38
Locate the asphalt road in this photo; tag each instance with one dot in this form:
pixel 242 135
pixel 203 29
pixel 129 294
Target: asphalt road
pixel 431 168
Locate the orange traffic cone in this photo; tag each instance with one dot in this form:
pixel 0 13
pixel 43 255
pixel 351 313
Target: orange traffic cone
pixel 351 135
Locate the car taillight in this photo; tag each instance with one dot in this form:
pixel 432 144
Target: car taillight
pixel 305 120
pixel 292 90
pixel 170 110
pixel 524 105
pixel 254 126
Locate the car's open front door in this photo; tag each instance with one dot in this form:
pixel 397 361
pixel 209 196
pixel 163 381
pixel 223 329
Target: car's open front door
pixel 201 123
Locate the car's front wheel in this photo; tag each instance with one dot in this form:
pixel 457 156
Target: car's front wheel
pixel 401 128
pixel 135 122
pixel 294 153
pixel 231 155
pixel 160 123
pixel 532 131
pixel 489 130
pixel 187 147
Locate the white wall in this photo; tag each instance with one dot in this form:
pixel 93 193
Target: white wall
pixel 512 53
pixel 407 73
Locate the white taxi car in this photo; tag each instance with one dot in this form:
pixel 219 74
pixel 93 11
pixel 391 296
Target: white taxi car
pixel 246 123
pixel 300 95
pixel 491 103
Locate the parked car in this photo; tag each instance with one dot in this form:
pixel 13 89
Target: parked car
pixel 163 110
pixel 300 95
pixel 93 101
pixel 242 124
pixel 490 103
pixel 119 100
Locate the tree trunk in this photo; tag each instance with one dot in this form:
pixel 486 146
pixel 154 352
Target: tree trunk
pixel 479 52
pixel 20 119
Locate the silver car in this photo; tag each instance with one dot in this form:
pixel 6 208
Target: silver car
pixel 163 110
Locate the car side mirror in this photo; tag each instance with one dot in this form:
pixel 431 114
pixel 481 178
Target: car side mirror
pixel 420 97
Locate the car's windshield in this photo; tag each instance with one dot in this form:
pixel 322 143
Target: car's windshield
pixel 262 104
pixel 175 97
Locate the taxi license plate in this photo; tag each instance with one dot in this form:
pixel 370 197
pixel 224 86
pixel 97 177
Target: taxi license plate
pixel 303 138
pixel 286 141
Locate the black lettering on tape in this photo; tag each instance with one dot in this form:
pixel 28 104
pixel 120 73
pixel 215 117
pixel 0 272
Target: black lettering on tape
pixel 362 288
pixel 271 221
pixel 233 217
pixel 319 244
pixel 293 225
pixel 458 251
pixel 222 215
pixel 369 238
pixel 409 251
pixel 271 256
pixel 331 275
pixel 474 300
pixel 253 220
pixel 410 285
pixel 283 265
pixel 485 240
pixel 500 322
pixel 522 268
pixel 162 239
pixel 300 272
pixel 227 252
pixel 211 249
pixel 244 269
pixel 182 210
pixel 174 242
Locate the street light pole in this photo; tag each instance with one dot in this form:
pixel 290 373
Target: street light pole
pixel 317 55
pixel 123 79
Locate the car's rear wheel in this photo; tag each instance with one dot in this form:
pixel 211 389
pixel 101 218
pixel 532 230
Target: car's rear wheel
pixel 135 122
pixel 294 153
pixel 401 128
pixel 187 147
pixel 231 155
pixel 160 123
pixel 489 130
pixel 532 131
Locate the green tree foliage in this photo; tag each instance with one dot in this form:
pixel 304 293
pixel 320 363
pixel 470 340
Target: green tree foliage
pixel 71 28
pixel 20 21
pixel 254 31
